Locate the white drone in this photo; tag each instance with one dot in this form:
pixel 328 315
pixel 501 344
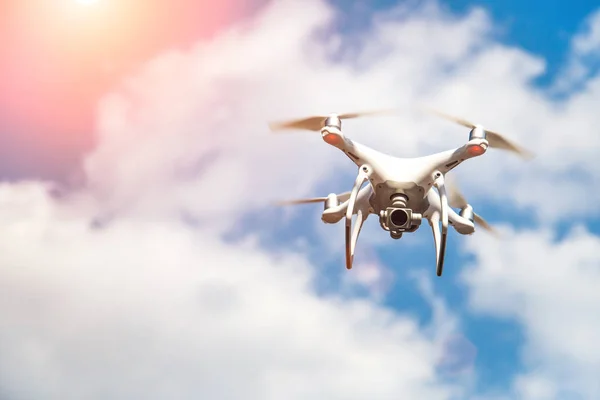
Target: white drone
pixel 400 189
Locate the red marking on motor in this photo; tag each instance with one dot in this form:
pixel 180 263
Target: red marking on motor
pixel 475 150
pixel 332 139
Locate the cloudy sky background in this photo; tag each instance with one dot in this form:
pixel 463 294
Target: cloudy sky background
pixel 140 257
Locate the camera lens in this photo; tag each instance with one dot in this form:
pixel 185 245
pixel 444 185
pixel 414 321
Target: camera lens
pixel 399 217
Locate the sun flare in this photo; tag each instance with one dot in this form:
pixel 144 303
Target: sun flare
pixel 86 2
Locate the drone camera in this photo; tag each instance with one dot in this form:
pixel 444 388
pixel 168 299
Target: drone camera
pixel 401 219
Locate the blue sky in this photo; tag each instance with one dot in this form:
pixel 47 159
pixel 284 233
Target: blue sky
pixel 543 28
pixel 178 110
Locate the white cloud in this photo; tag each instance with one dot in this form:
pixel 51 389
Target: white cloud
pixel 533 387
pixel 148 306
pixel 588 41
pixel 369 273
pixel 156 309
pixel 551 289
pixel 585 49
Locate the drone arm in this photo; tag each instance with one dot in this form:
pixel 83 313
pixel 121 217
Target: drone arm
pixel 449 159
pixel 352 236
pixel 358 153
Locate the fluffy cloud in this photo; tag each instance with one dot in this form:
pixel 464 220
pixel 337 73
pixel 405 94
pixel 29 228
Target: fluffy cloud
pixel 153 301
pixel 551 288
pixel 157 309
pixel 585 49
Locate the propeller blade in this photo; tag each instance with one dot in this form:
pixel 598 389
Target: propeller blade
pixel 301 201
pixel 479 221
pixel 498 141
pixel 315 123
pixel 495 139
pixel 455 197
pixel 310 124
pixel 388 111
pixel 452 118
pixel 342 197
pixel 457 200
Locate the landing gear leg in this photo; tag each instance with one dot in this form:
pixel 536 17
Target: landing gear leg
pixel 440 240
pixel 352 235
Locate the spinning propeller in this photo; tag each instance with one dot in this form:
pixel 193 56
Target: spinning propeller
pixel 457 200
pixel 342 197
pixel 317 122
pixel 494 139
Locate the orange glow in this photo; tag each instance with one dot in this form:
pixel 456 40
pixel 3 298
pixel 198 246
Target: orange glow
pixel 60 56
pixel 332 139
pixel 475 150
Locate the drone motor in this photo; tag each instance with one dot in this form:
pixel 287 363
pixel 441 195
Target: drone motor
pixel 330 216
pixel 468 213
pixel 477 133
pixel 331 201
pixel 333 121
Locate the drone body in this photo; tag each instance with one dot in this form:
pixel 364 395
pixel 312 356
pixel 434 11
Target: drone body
pixel 399 190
